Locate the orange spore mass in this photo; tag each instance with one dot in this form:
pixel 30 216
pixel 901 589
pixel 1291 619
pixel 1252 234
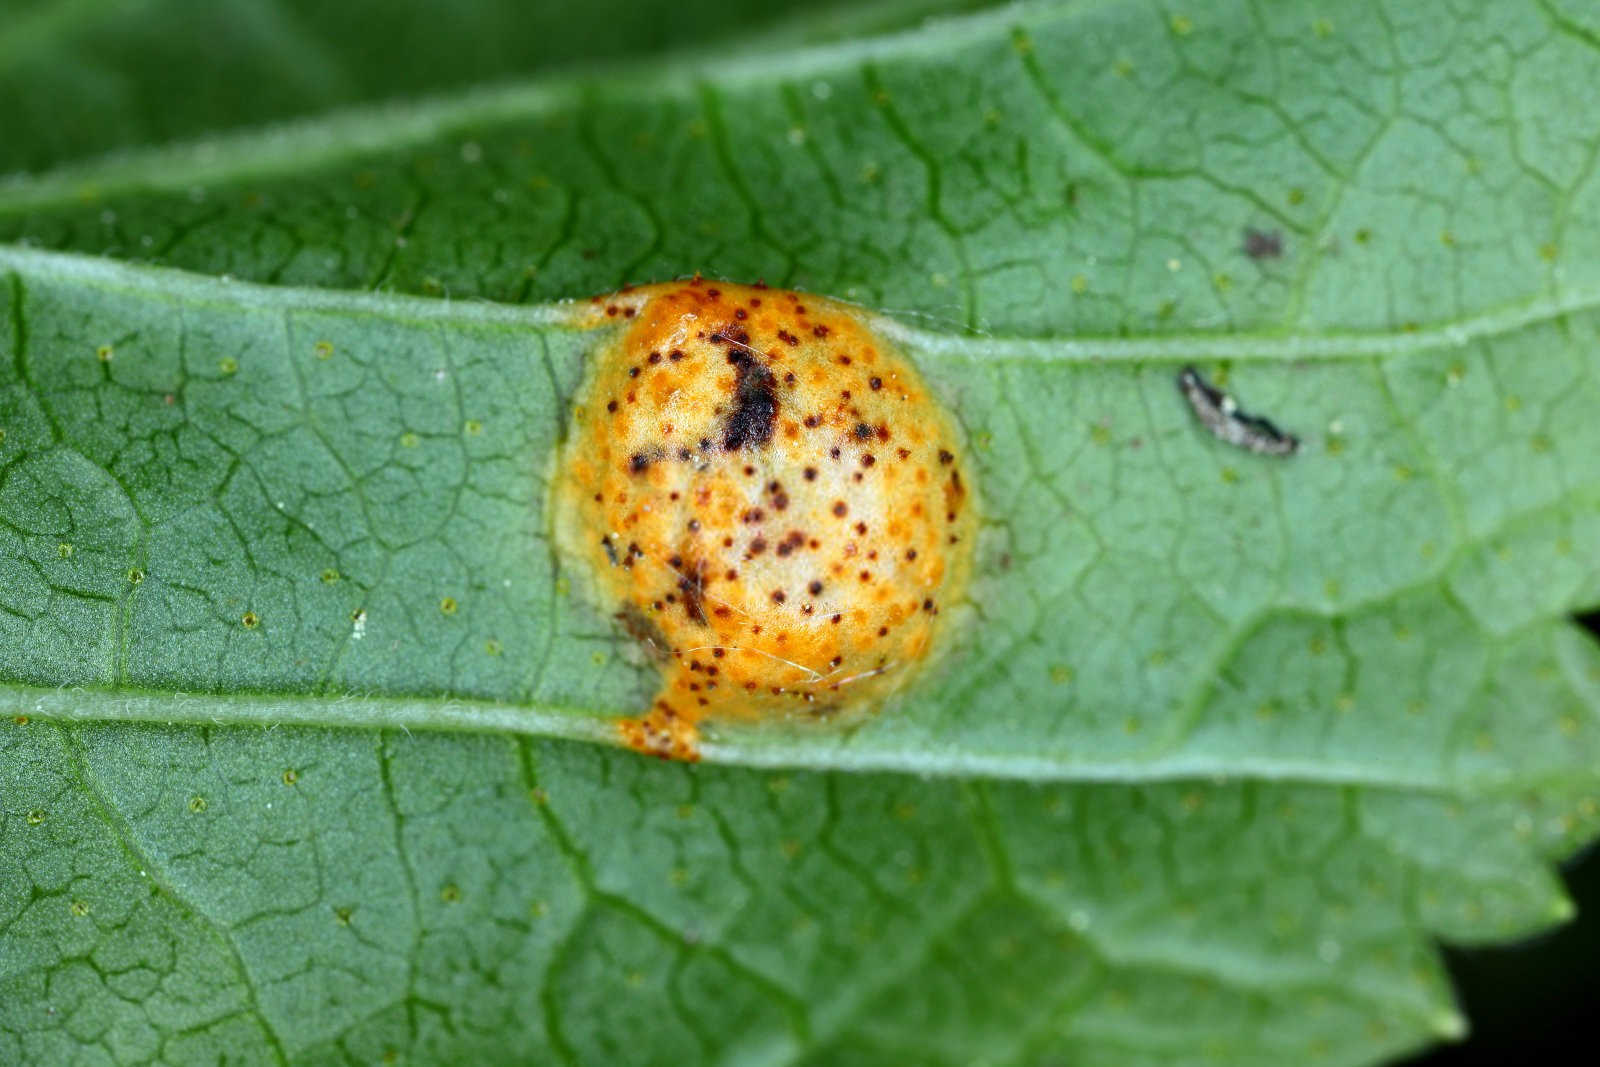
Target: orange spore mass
pixel 770 500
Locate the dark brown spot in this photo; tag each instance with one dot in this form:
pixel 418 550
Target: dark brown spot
pixel 815 587
pixel 692 583
pixel 945 457
pixel 811 474
pixel 611 405
pixel 839 508
pixel 755 404
pixel 862 431
pixel 876 383
pixel 638 463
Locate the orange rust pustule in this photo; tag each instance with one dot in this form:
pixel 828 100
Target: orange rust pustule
pixel 769 498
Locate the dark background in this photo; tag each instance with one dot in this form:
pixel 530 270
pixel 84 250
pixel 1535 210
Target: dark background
pixel 1533 1003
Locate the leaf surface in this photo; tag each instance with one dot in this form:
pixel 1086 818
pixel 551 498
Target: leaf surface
pixel 1225 742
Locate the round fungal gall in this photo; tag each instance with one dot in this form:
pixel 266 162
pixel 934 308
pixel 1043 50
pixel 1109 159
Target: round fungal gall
pixel 769 500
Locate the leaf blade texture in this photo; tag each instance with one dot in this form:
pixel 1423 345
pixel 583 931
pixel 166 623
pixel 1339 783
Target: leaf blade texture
pixel 1227 742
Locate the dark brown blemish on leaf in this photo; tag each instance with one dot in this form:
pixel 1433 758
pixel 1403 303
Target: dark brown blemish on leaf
pixel 1263 244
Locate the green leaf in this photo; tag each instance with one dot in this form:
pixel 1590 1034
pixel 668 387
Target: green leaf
pixel 80 77
pixel 1225 743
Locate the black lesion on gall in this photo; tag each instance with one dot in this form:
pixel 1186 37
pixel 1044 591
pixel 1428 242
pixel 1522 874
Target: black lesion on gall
pixel 755 397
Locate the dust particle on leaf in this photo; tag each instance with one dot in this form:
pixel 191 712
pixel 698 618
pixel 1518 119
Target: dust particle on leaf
pixel 1221 415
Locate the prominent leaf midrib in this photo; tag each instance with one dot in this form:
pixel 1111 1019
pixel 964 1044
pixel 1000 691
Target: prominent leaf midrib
pixel 75 704
pixel 168 284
